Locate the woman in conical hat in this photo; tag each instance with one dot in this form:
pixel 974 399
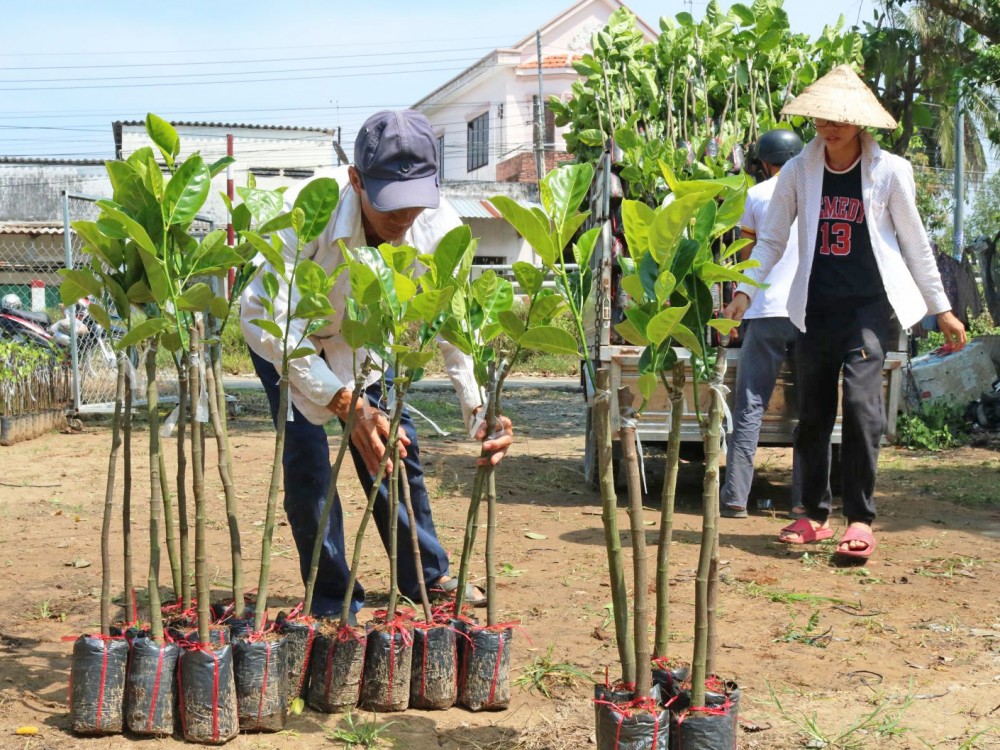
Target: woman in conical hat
pixel 865 266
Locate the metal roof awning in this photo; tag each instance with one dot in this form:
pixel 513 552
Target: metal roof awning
pixel 474 208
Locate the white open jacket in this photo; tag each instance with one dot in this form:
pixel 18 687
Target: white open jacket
pixel 899 242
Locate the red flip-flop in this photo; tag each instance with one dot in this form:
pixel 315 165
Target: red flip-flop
pixel 857 534
pixel 806 533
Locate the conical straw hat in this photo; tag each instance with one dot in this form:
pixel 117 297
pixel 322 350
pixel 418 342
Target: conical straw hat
pixel 842 97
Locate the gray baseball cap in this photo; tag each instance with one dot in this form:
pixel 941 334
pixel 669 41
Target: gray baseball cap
pixel 396 154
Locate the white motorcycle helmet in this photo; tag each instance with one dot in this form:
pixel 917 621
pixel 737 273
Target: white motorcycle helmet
pixel 12 301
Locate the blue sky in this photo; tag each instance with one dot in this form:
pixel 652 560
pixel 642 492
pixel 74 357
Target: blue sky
pixel 71 68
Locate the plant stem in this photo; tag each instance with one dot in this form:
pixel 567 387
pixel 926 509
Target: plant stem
pixel 260 610
pixel 200 546
pixel 390 610
pixel 217 413
pixel 640 618
pixel 397 415
pixel 331 491
pixel 491 533
pixel 661 644
pixel 709 533
pixel 155 494
pixel 609 515
pixel 109 501
pixel 711 499
pixel 129 582
pixel 182 509
pixel 168 521
pixel 415 541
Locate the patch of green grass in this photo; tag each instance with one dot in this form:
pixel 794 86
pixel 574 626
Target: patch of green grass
pixel 808 634
pixel 933 426
pixel 545 674
pixel 366 734
pixel 756 590
pixel 235 352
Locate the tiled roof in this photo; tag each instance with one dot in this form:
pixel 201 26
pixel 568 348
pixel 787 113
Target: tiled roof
pixel 142 123
pixel 51 161
pixel 473 208
pixel 551 61
pixel 33 228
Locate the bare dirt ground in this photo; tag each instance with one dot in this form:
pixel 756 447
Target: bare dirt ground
pixel 906 651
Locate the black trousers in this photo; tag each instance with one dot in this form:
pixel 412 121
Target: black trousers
pixel 851 340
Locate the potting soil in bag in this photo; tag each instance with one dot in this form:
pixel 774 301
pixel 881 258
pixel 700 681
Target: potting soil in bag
pixel 97 684
pixel 336 666
pixel 261 682
pixel 434 672
pixel 239 627
pixel 386 684
pixel 151 688
pixel 640 724
pixel 207 692
pixel 605 694
pixel 670 676
pixel 707 728
pixel 485 677
pixel 299 636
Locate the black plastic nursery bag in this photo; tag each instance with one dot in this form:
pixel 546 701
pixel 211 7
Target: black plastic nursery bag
pixel 670 676
pixel 97 684
pixel 299 636
pixel 336 666
pixel 434 671
pixel 485 677
pixel 151 688
pixel 386 685
pixel 640 724
pixel 207 691
pixel 605 694
pixel 261 679
pixel 707 728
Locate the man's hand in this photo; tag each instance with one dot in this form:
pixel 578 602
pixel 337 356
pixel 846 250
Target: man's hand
pixel 953 330
pixel 737 307
pixel 370 431
pixel 497 444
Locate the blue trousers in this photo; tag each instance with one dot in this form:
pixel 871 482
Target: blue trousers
pixel 306 463
pixel 765 346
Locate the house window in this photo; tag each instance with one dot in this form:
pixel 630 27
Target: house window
pixel 441 157
pixel 478 143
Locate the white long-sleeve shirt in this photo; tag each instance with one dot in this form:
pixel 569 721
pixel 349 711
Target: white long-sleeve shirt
pixel 903 254
pixel 316 378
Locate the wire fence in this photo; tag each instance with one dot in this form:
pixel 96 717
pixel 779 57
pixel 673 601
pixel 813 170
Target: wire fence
pixel 32 252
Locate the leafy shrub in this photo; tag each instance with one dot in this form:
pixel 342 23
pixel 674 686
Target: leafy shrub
pixel 933 426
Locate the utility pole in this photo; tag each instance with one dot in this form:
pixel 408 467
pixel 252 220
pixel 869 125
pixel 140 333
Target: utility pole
pixel 959 233
pixel 539 116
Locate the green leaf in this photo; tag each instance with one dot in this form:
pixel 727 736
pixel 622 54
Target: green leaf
pixel 704 222
pixel 317 200
pixel 528 278
pixel 140 294
pixel 126 184
pixel 723 325
pixel 217 166
pixel 637 218
pixel 528 225
pixel 511 324
pixel 647 384
pixel 686 338
pixel 384 275
pixel 666 282
pixel 279 222
pixel 550 339
pixel 134 229
pixel 313 306
pixel 271 254
pixel 156 276
pixel 683 260
pixel 100 315
pixel 354 333
pixel 310 278
pixel 630 333
pixel 219 307
pixel 270 326
pixel 671 223
pixel 633 285
pixel 196 299
pixel 735 247
pixel 663 323
pixel 584 247
pixel 450 251
pixel 98 243
pixel 162 133
pixel 415 360
pixel 562 192
pixel 730 212
pixel 545 308
pixel 712 272
pixel 145 330
pixel 187 191
pixel 432 303
pixel 83 280
pixel 405 288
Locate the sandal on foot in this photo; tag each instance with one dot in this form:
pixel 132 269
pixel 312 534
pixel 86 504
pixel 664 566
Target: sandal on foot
pixel 733 511
pixel 856 534
pixel 446 588
pixel 805 532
